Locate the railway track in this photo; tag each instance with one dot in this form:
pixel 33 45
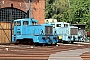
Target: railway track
pixel 27 52
pixel 86 56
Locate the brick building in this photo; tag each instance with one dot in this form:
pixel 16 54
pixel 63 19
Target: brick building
pixel 18 9
pixel 37 7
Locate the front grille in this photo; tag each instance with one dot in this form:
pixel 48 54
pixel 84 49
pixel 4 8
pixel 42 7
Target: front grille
pixel 74 31
pixel 48 30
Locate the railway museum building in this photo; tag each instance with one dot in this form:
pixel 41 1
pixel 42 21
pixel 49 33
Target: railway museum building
pixel 18 9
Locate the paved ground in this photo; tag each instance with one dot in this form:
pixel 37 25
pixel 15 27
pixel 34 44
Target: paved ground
pixel 69 55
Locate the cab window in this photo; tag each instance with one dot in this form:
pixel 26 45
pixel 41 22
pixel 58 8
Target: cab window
pixel 58 25
pixel 25 23
pixel 18 23
pixel 65 25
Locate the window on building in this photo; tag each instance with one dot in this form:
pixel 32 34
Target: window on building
pixel 20 4
pixel 8 14
pixel 2 2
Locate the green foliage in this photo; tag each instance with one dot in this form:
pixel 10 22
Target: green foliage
pixel 71 11
pixel 80 12
pixel 54 8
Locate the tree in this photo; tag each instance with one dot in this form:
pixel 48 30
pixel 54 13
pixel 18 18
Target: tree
pixel 54 8
pixel 79 12
pixel 71 11
pixel 49 11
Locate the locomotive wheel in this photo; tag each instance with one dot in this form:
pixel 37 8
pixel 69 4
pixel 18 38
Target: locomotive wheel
pixel 35 44
pixel 28 41
pixel 24 41
pixel 54 44
pixel 17 42
pixel 70 42
pixel 60 41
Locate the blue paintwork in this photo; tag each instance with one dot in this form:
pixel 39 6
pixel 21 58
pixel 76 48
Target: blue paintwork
pixel 32 31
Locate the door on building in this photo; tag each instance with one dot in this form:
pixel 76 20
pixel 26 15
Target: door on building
pixel 7 16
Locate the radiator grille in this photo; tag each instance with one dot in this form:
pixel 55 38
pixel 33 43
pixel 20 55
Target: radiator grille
pixel 74 31
pixel 48 30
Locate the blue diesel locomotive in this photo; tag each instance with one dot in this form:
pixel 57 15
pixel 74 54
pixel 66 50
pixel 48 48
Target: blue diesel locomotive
pixel 29 31
pixel 65 32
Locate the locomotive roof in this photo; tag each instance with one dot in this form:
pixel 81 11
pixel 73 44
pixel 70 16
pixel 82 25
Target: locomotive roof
pixel 26 19
pixel 78 24
pixel 60 23
pixel 81 26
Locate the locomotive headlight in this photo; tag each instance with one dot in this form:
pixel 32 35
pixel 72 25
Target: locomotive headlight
pixel 60 37
pixel 69 36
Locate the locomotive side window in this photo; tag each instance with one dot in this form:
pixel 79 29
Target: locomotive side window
pixel 33 23
pixel 25 23
pixel 18 32
pixel 18 23
pixel 14 23
pixel 58 25
pixel 65 25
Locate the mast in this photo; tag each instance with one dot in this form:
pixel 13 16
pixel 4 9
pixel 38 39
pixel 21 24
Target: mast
pixel 29 9
pixel 30 12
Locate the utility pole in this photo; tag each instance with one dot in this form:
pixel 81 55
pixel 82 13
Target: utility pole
pixel 11 21
pixel 29 9
pixel 30 12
